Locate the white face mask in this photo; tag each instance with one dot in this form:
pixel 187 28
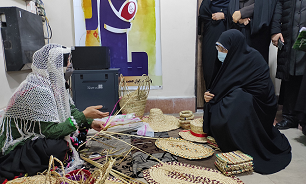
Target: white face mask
pixel 221 56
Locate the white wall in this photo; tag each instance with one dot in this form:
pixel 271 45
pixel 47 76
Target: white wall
pixel 9 81
pixel 178 43
pixel 60 15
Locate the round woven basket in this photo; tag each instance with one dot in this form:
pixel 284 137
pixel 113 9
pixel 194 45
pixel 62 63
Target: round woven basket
pixel 135 101
pixel 180 173
pixel 183 148
pixel 185 124
pixel 187 118
pixel 186 114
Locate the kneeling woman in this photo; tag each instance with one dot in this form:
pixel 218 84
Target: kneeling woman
pixel 241 105
pixel 40 117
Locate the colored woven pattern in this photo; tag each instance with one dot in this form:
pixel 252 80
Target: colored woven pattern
pixel 229 173
pixel 112 181
pixel 212 143
pixel 183 148
pixel 234 157
pixel 234 162
pixel 180 173
pixel 233 167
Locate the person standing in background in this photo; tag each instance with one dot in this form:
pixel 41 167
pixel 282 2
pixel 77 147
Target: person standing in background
pixel 212 14
pixel 300 106
pixel 289 17
pixel 253 19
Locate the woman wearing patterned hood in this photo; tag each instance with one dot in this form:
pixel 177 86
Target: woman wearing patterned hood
pixel 40 116
pixel 241 106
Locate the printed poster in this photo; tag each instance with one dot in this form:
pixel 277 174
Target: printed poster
pixel 130 28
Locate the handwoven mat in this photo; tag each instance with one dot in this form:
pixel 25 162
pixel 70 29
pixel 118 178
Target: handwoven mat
pixel 181 173
pixel 184 148
pixel 207 162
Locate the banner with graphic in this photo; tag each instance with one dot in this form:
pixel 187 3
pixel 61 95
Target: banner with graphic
pixel 131 30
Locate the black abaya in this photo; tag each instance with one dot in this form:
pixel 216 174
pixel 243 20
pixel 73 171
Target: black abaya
pixel 257 32
pixel 241 114
pixel 211 31
pixel 300 106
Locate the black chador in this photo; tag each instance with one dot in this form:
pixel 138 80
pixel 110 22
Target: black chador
pixel 212 29
pixel 258 31
pixel 241 114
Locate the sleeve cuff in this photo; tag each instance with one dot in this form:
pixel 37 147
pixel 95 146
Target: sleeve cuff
pixel 73 122
pixel 80 119
pixel 275 31
pixel 89 121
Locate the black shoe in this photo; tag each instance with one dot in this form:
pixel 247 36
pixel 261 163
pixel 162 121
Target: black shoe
pixel 285 124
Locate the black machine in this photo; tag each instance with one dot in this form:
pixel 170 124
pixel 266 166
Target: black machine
pixel 96 87
pixel 22 35
pixel 90 57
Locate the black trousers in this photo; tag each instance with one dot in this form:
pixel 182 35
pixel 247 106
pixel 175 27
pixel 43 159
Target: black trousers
pixel 288 96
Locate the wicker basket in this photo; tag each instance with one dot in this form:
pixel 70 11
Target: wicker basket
pixel 185 118
pixel 185 124
pixel 135 101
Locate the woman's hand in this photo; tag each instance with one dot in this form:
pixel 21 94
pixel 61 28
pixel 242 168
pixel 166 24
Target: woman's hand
pixel 275 38
pixel 217 16
pixel 208 96
pixel 93 112
pixel 97 125
pixel 245 21
pixel 236 16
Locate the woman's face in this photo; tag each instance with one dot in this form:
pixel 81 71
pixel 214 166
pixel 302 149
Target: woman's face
pixel 221 49
pixel 222 52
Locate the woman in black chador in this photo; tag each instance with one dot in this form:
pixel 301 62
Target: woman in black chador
pixel 241 106
pixel 253 19
pixel 212 14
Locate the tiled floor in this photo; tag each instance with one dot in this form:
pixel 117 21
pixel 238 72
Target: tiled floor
pixel 294 173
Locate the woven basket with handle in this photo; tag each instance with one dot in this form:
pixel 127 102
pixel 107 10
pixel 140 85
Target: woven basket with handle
pixel 134 101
